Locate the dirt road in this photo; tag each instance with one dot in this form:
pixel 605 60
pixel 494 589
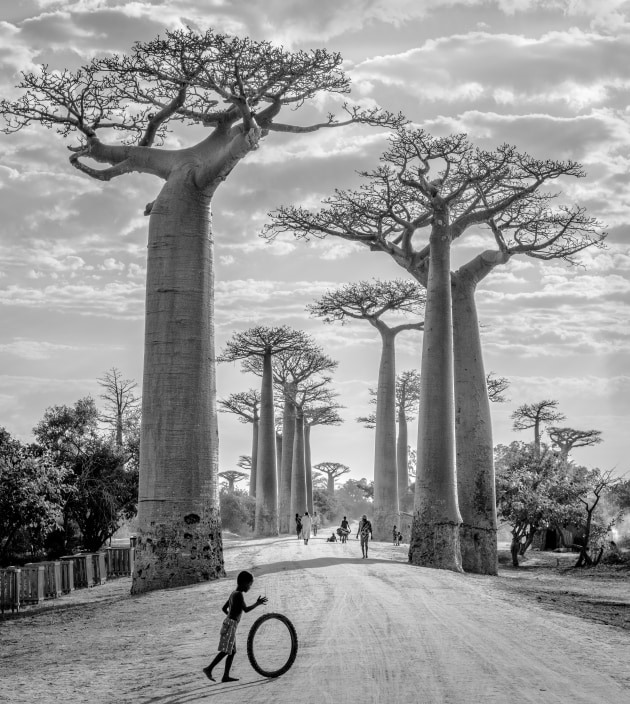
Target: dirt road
pixel 371 631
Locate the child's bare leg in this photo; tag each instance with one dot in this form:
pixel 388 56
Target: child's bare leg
pixel 208 670
pixel 228 664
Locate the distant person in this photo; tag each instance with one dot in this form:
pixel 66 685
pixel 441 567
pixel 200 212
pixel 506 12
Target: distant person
pixel 298 525
pixel 233 610
pixel 306 527
pixel 400 538
pixel 345 530
pixel 395 535
pixel 315 522
pixel 332 539
pixel 365 533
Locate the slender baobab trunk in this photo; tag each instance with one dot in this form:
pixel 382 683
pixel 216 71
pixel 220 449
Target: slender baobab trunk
pixel 475 460
pixel 308 468
pixel 402 453
pixel 385 473
pixel 288 433
pixel 435 531
pixel 266 521
pixel 330 485
pixel 179 530
pixel 298 478
pixel 252 474
pixel 278 457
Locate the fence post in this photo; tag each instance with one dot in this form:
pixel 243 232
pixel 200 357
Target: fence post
pixel 67 574
pixel 10 589
pixel 100 568
pixel 32 584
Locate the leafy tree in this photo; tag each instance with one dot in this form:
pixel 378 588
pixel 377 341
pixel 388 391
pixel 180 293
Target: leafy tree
pixel 595 531
pixel 238 511
pixel 447 188
pixel 119 111
pixel 33 491
pixel 536 415
pixel 371 301
pixel 536 490
pixel 105 489
pixel 565 439
pixel 323 503
pixel 351 501
pixel 246 406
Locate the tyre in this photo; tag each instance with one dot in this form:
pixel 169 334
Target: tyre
pixel 272 645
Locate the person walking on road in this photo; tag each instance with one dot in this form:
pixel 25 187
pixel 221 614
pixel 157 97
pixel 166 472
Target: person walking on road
pixel 315 523
pixel 306 527
pixel 365 532
pixel 298 525
pixel 345 528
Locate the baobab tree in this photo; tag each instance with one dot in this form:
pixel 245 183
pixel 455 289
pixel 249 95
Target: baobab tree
pixel 265 342
pixel 123 406
pixel 290 369
pixel 447 187
pixel 536 415
pixel 317 413
pixel 371 301
pixel 118 111
pixel 312 391
pixel 245 405
pixel 565 439
pixel 407 397
pixel 332 470
pixel 232 477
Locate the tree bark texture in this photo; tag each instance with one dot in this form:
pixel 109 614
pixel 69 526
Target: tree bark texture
pixel 179 530
pixel 298 478
pixel 435 530
pixel 252 474
pixel 386 511
pixel 285 517
pixel 473 430
pixel 308 468
pixel 266 520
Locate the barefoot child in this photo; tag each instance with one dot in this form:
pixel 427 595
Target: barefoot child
pixel 233 609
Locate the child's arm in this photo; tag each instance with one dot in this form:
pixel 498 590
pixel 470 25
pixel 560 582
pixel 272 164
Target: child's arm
pixel 226 607
pixel 261 600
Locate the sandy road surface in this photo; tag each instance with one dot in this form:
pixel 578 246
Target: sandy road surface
pixel 371 631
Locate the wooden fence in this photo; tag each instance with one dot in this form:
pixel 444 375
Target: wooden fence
pixel 36 581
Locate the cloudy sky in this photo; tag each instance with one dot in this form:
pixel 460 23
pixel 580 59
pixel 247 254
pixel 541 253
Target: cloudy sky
pixel 550 76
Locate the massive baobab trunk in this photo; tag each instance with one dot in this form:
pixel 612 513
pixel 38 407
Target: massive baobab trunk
pixel 266 521
pixel 288 433
pixel 179 537
pixel 435 531
pixel 473 428
pixel 298 478
pixel 385 472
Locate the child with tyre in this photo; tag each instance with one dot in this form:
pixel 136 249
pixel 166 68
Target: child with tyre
pixel 233 610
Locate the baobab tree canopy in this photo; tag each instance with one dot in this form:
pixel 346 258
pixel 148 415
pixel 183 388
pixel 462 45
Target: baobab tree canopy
pixel 118 111
pixel 446 187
